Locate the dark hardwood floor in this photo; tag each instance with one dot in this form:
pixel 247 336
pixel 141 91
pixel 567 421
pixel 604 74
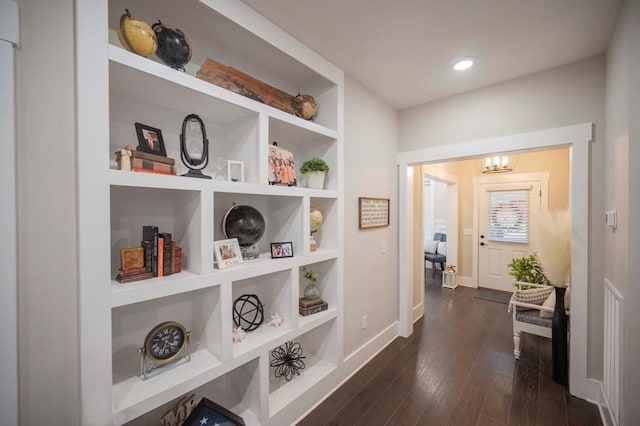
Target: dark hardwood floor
pixel 457 368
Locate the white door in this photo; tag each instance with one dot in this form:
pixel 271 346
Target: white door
pixel 504 215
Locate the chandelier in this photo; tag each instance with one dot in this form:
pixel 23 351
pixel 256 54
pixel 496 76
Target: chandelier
pixel 497 164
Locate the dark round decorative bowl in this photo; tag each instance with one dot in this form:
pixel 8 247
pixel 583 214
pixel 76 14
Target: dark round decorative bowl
pixel 174 48
pixel 245 223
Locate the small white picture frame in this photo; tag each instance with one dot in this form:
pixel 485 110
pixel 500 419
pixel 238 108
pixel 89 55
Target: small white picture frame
pixel 227 253
pixel 235 171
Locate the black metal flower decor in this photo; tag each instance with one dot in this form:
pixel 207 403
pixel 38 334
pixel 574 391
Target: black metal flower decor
pixel 287 360
pixel 248 312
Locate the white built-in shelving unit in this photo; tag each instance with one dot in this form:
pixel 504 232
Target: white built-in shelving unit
pixel 117 88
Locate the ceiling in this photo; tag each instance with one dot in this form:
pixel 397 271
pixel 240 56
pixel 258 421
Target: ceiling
pixel 402 50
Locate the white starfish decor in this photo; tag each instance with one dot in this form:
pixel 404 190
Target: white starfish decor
pixel 276 320
pixel 238 334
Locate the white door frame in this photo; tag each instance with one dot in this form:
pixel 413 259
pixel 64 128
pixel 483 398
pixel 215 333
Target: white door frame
pixel 452 229
pixel 576 137
pixel 542 177
pixel 8 223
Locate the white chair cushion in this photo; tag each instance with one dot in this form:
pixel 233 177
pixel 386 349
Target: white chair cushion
pixel 430 246
pixel 442 248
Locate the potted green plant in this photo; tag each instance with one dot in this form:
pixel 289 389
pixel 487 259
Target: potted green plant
pixel 314 171
pixel 311 291
pixel 528 270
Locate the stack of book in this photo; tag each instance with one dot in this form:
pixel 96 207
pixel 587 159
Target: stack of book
pixel 132 265
pixel 162 256
pixel 145 162
pixel 311 306
pixel 152 163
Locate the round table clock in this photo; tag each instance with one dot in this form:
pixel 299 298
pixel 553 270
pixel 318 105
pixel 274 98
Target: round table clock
pixel 167 342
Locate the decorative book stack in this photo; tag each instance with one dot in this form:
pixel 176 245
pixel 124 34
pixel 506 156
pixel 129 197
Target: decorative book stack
pixel 132 265
pixel 162 256
pixel 311 306
pixel 145 162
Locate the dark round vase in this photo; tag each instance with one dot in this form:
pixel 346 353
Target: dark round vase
pixel 174 48
pixel 559 349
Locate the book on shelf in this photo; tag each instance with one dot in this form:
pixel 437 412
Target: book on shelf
pixel 147 156
pixel 167 253
pixel 132 272
pixel 148 254
pixel 176 260
pixel 131 258
pixel 153 157
pixel 313 309
pixel 150 233
pixel 160 266
pixel 303 302
pixel 139 164
pixel 132 278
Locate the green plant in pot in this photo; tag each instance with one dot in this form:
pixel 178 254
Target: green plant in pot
pixel 314 171
pixel 528 270
pixel 311 291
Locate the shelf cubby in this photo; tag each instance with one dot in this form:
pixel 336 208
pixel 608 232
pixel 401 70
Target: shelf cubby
pixel 327 281
pixel 282 215
pixel 321 355
pixel 173 211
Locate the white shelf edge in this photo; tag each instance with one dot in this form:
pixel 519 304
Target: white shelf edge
pixel 139 396
pixel 269 340
pixel 203 368
pixel 154 288
pixel 142 64
pixel 158 181
pixel 287 393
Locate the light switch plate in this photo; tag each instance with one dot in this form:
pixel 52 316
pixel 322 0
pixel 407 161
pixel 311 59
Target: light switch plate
pixel 611 219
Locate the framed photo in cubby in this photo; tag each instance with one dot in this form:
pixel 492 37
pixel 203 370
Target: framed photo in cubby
pixel 227 253
pixel 282 169
pixel 150 140
pixel 209 413
pixel 279 250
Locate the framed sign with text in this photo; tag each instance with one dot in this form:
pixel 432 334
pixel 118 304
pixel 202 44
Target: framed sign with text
pixel 373 212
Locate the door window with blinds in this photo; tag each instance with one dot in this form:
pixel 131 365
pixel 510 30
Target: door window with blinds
pixel 509 216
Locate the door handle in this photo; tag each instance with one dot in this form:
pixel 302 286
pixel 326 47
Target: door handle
pixel 482 244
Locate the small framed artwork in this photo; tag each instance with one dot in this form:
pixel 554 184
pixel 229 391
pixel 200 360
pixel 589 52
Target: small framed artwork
pixel 279 250
pixel 227 253
pixel 282 169
pixel 150 139
pixel 235 171
pixel 373 212
pixel 209 413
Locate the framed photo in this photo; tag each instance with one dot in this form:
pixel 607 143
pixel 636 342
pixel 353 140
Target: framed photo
pixel 150 139
pixel 282 169
pixel 227 253
pixel 209 413
pixel 373 212
pixel 279 250
pixel 235 171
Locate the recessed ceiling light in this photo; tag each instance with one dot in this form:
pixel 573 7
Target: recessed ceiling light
pixel 463 64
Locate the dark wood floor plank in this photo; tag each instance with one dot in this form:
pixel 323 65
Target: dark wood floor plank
pixel 457 368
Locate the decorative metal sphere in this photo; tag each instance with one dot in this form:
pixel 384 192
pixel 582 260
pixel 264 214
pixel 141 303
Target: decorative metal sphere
pixel 248 312
pixel 174 48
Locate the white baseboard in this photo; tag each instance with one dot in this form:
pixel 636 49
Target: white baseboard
pixel 418 312
pixel 466 281
pixel 313 397
pixel 604 408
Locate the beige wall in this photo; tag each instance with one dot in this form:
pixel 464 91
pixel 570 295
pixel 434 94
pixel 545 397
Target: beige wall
pixel 567 95
pixel 370 282
pixel 48 348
